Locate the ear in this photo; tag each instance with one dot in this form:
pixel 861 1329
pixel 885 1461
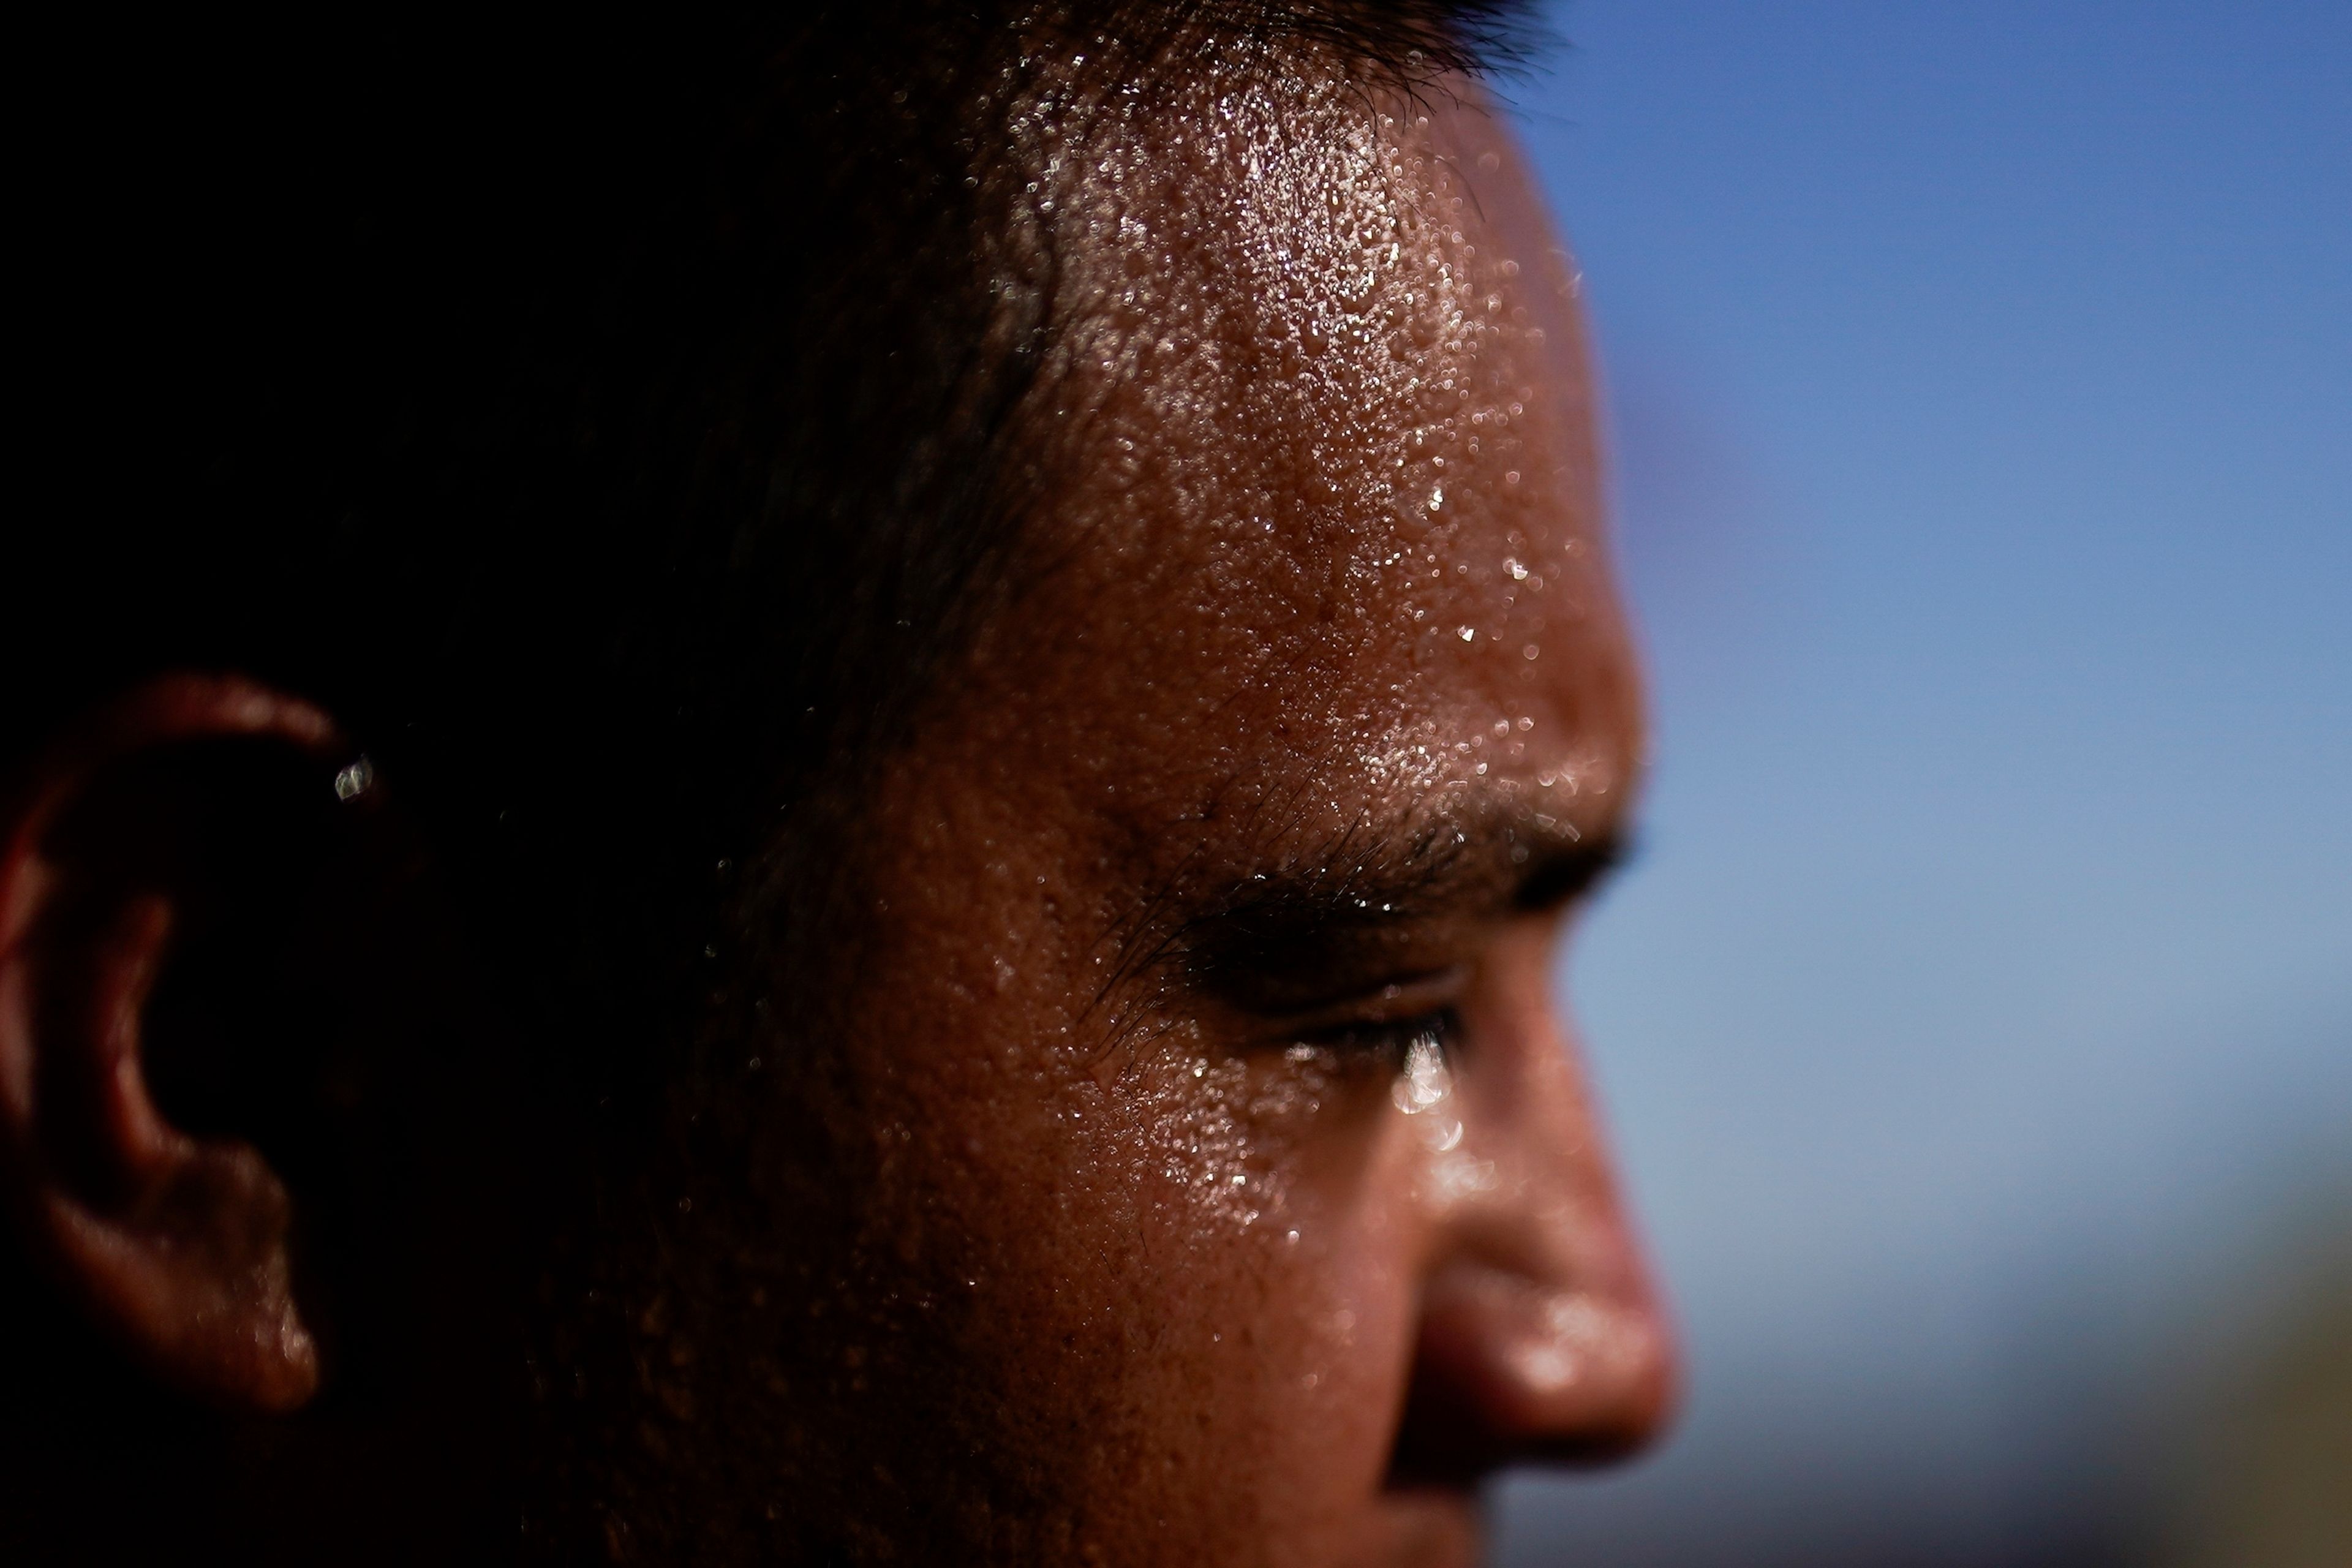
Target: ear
pixel 176 1240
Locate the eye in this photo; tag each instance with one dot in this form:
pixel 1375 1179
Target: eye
pixel 1389 1040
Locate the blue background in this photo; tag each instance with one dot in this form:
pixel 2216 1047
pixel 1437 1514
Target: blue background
pixel 1977 1024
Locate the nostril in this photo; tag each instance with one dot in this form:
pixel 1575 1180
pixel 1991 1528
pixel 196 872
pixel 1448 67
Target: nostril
pixel 1507 1371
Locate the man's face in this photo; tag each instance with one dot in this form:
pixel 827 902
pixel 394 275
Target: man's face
pixel 1214 1180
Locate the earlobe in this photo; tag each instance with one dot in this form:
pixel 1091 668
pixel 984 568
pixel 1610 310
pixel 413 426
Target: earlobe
pixel 176 1244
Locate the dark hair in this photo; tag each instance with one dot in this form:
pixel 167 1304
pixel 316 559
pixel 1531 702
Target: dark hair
pixel 612 419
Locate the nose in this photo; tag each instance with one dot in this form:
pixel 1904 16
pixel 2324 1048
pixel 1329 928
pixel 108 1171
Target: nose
pixel 1540 1336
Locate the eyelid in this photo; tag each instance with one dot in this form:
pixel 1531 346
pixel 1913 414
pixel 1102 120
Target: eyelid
pixel 1408 999
pixel 1388 1038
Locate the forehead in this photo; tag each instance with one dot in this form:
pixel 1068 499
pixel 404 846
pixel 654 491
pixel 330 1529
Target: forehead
pixel 1319 480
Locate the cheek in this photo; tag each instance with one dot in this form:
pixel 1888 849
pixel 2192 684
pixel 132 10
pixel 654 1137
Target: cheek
pixel 1195 1288
pixel 1275 1227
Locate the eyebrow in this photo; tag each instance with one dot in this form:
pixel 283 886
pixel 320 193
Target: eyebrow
pixel 1342 911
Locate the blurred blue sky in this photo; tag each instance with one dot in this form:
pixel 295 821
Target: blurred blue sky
pixel 1980 1012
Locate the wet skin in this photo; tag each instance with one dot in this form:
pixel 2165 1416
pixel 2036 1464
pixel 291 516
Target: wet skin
pixel 1181 1157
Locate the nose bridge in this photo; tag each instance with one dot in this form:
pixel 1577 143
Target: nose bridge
pixel 1550 1209
pixel 1541 1335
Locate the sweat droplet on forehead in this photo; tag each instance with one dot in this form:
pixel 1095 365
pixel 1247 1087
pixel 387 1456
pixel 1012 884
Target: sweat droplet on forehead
pixel 1244 631
pixel 1320 430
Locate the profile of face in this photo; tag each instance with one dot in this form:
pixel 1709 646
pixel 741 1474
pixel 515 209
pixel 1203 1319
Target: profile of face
pixel 1181 1157
pixel 1211 1111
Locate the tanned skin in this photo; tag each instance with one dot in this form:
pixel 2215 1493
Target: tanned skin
pixel 1176 1153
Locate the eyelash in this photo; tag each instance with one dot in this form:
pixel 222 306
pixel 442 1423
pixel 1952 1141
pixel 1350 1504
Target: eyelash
pixel 1386 1038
